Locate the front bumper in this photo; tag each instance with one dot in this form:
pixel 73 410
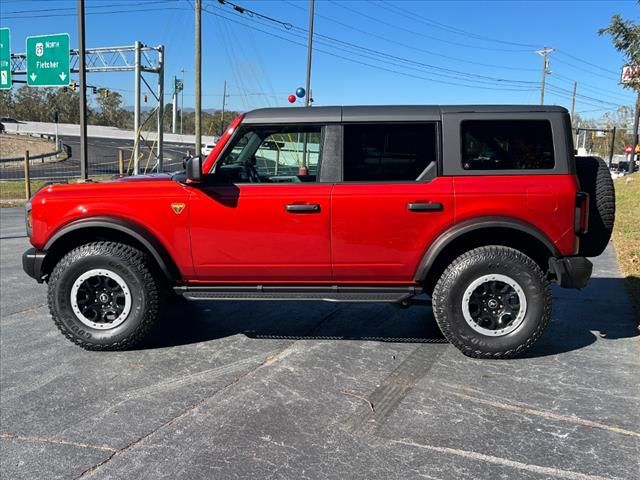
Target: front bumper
pixel 571 272
pixel 32 261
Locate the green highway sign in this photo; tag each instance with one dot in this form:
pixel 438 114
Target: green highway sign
pixel 5 59
pixel 48 60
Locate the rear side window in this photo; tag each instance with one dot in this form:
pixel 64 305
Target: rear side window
pixel 388 152
pixel 507 145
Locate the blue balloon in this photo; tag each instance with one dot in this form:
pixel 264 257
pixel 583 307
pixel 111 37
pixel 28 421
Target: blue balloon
pixel 300 92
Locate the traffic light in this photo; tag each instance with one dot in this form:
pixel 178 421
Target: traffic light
pixel 74 85
pixel 105 92
pixel 145 98
pixel 94 90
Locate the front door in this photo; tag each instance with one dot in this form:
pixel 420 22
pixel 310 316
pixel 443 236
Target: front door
pixel 262 216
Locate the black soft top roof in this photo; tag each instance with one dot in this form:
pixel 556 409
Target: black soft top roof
pixel 390 113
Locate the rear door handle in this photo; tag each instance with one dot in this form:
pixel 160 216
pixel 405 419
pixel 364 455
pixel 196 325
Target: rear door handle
pixel 303 207
pixel 425 207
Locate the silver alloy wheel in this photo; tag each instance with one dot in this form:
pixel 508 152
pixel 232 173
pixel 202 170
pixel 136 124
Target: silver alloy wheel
pixel 101 299
pixel 494 305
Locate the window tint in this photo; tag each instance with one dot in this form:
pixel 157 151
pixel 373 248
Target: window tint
pixel 275 154
pixel 507 145
pixel 388 152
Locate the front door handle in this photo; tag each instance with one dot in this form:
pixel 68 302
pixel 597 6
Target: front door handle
pixel 425 207
pixel 303 208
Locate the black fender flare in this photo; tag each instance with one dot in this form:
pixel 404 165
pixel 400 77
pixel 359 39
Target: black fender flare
pixel 128 227
pixel 481 223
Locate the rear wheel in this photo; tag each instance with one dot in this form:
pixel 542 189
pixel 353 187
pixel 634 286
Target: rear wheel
pixel 492 302
pixel 104 296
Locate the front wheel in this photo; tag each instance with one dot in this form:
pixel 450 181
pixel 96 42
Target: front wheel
pixel 104 296
pixel 492 302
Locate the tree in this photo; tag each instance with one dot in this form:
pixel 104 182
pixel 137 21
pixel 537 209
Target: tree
pixel 625 35
pixel 111 111
pixel 67 104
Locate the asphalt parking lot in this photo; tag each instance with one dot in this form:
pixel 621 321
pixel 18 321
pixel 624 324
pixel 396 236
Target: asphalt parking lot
pixel 318 391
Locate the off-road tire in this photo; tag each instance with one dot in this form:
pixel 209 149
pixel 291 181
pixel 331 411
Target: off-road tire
pixel 133 267
pixel 595 179
pixel 448 296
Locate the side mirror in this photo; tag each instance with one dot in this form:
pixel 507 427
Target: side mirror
pixel 193 169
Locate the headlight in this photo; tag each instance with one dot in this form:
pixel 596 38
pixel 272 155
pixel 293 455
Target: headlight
pixel 27 217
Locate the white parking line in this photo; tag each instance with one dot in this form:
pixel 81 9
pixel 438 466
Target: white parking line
pixel 555 472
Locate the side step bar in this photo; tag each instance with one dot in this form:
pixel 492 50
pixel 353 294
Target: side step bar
pixel 312 293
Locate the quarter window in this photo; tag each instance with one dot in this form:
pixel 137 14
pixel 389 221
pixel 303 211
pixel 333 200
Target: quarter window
pixel 388 152
pixel 507 145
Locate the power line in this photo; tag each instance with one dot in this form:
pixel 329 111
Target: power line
pixel 586 86
pixel 432 23
pixel 73 9
pixel 586 97
pixel 411 47
pixel 352 60
pixel 562 52
pixel 47 15
pixel 405 30
pixel 393 59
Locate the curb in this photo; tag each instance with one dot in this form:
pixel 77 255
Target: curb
pixel 32 157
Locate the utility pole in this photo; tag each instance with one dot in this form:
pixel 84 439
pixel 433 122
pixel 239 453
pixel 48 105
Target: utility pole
pixel 160 145
pixel 224 99
pixel 198 77
pixel 634 140
pixel 174 101
pixel 613 145
pixel 307 98
pixel 136 108
pixel 573 99
pixel 181 100
pixel 307 93
pixel 545 69
pixel 84 164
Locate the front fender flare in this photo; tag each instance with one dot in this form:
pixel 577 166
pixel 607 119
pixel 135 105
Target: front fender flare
pixel 134 230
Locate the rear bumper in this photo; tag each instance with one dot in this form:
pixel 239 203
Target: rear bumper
pixel 32 261
pixel 571 272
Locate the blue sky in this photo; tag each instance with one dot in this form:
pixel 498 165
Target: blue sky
pixel 369 52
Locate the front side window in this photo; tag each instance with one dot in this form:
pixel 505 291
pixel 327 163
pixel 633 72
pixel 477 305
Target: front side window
pixel 507 145
pixel 272 154
pixel 388 152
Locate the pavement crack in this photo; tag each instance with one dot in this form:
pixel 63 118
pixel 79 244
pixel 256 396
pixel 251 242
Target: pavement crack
pixel 268 360
pixel 11 436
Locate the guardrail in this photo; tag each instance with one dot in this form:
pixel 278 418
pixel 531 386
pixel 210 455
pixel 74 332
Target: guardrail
pixel 97 131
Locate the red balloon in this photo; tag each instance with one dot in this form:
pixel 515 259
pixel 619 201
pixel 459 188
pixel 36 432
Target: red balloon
pixel 291 98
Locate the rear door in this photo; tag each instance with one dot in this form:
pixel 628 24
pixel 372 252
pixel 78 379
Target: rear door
pixel 390 203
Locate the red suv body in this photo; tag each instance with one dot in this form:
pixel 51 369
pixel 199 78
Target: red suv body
pixel 330 203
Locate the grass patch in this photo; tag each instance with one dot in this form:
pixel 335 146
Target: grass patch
pixel 12 145
pixel 14 189
pixel 626 234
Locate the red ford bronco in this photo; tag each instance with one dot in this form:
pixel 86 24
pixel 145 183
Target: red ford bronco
pixel 478 207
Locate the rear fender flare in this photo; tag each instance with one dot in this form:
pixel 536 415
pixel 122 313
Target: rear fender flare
pixel 460 229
